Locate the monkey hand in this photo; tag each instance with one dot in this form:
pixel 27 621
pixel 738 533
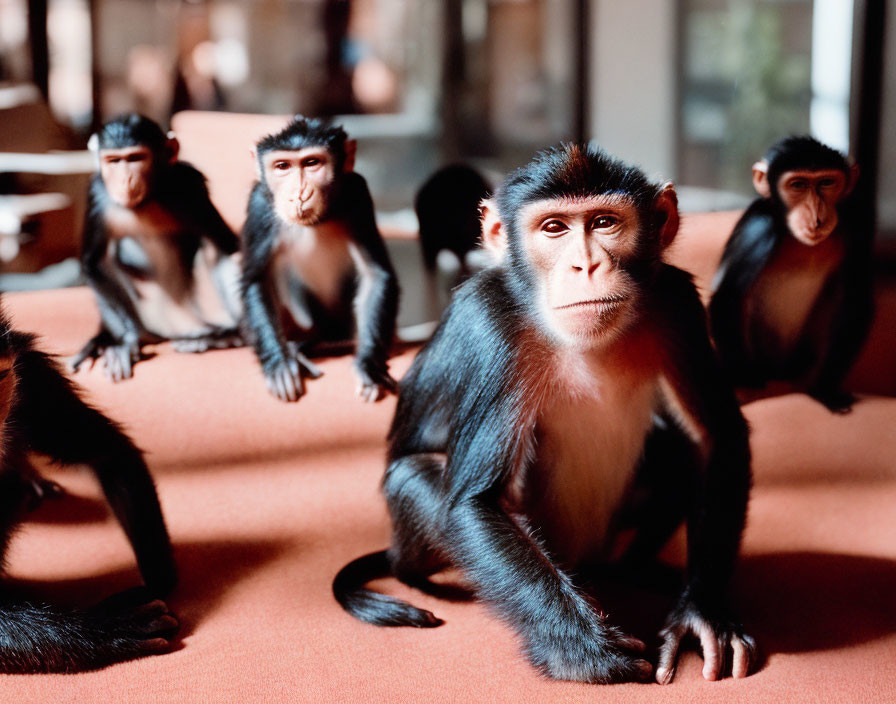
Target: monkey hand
pixel 134 623
pixel 374 381
pixel 119 360
pixel 719 638
pixel 285 378
pixel 575 643
pixel 835 400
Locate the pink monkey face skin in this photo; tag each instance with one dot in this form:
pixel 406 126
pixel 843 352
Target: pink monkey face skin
pixel 301 183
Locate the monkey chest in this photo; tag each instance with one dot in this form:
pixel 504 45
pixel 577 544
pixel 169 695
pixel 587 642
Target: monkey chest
pixel 788 292
pixel 150 242
pixel 312 261
pixel 588 443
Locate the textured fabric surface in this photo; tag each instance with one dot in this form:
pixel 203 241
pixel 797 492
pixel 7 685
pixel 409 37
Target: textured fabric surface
pixel 265 501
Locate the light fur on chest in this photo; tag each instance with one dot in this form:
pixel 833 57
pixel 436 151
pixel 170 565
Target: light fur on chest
pixel 588 441
pixel 788 290
pixel 319 257
pixel 149 221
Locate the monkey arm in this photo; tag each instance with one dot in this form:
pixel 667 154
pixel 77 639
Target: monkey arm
pixel 120 325
pixel 563 633
pixel 376 299
pixel 261 314
pixel 59 424
pixel 700 396
pixel 746 254
pixel 185 191
pixel 853 315
pixel 283 364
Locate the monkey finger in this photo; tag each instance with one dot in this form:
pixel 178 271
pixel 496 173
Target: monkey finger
pixel 713 652
pixel 110 364
pixel 665 669
pixel 631 643
pixel 127 362
pixel 744 652
pixel 286 387
pixel 373 393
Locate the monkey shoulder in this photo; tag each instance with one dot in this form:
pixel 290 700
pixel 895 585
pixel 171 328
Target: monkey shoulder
pixel 183 179
pixel 676 309
pixel 475 342
pixel 755 235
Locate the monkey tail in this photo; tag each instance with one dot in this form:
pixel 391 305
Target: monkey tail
pixel 370 606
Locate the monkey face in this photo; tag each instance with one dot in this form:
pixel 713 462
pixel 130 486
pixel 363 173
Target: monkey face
pixel 579 250
pixel 301 183
pixel 811 198
pixel 127 174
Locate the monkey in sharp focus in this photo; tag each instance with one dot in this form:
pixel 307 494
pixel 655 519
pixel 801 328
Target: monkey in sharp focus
pixel 156 252
pixel 315 268
pixel 41 412
pixel 570 393
pixel 792 298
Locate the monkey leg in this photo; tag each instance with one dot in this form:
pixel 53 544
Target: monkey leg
pixel 416 503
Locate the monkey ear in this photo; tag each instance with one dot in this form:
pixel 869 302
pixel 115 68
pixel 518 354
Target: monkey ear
pixel 93 144
pixel 172 147
pixel 851 177
pixel 760 179
pixel 351 148
pixel 666 207
pixel 253 154
pixel 494 238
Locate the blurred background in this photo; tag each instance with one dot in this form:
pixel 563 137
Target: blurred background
pixel 692 90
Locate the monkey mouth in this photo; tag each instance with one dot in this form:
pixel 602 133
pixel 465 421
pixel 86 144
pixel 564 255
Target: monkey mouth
pixel 599 305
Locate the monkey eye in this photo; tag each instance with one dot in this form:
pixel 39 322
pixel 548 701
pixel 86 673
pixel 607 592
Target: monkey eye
pixel 312 161
pixel 797 184
pixel 136 156
pixel 281 165
pixel 604 222
pixel 827 183
pixel 554 228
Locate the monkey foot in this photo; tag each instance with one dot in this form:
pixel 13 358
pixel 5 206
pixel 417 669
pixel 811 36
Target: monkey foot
pixel 723 643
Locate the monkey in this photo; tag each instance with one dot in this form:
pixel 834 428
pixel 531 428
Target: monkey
pixel 570 395
pixel 41 412
pixel 792 298
pixel 315 268
pixel 156 252
pixel 447 207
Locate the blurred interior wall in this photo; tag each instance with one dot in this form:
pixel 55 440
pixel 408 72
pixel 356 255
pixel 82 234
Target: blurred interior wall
pixel 632 91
